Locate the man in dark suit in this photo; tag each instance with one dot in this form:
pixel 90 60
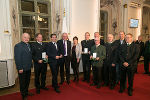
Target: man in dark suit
pixel 40 67
pixel 53 57
pixel 141 47
pixel 147 56
pixel 109 63
pixel 118 44
pixel 64 46
pixel 23 60
pixel 129 53
pixel 86 45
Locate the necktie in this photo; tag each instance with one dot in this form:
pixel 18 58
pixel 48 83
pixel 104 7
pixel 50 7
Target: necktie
pixel 28 47
pixel 55 45
pixel 64 48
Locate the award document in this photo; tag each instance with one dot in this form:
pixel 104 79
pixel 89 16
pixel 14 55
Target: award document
pixel 45 60
pixel 85 50
pixel 94 55
pixel 43 55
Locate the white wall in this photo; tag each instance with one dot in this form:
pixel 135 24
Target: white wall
pixel 84 18
pixel 5 39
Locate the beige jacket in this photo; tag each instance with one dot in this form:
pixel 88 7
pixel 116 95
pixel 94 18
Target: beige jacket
pixel 78 50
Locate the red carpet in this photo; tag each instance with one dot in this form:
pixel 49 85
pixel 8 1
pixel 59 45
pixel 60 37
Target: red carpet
pixel 82 91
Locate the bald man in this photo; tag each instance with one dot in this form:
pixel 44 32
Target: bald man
pixel 23 60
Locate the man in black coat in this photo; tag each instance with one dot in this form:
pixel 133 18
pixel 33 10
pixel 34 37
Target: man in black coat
pixel 147 56
pixel 64 47
pixel 23 60
pixel 129 53
pixel 40 67
pixel 118 43
pixel 109 63
pixel 86 48
pixel 53 57
pixel 141 47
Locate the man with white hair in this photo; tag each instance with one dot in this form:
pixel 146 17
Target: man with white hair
pixel 98 54
pixel 64 47
pixel 23 60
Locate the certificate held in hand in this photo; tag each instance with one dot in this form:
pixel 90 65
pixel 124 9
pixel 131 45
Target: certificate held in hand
pixel 45 60
pixel 85 50
pixel 94 55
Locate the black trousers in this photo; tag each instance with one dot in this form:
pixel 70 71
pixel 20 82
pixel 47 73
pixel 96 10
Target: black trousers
pixel 86 67
pixel 54 71
pixel 112 75
pixel 75 67
pixel 40 71
pixel 65 62
pixel 146 63
pixel 97 74
pixel 127 73
pixel 106 70
pixel 24 81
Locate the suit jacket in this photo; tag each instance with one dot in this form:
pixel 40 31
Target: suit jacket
pixel 110 53
pixel 101 53
pixel 78 50
pixel 117 45
pixel 141 47
pixel 37 50
pixel 52 52
pixel 61 47
pixel 23 56
pixel 129 54
pixel 147 48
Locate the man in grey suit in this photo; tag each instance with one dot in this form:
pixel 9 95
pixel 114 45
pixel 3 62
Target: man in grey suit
pixel 23 60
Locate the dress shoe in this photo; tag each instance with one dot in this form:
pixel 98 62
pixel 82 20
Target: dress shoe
pixel 61 82
pixel 68 82
pixel 74 79
pixel 45 88
pixel 37 91
pixel 24 98
pixel 98 86
pixel 105 84
pixel 130 93
pixel 93 84
pixel 121 91
pixel 57 90
pixel 146 72
pixel 30 94
pixel 88 81
pixel 112 86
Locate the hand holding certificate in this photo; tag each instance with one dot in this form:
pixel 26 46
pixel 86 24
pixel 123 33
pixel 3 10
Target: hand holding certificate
pixel 44 57
pixel 85 50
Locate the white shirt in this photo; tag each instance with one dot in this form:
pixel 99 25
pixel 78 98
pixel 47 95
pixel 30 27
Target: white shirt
pixel 55 44
pixel 39 42
pixel 65 46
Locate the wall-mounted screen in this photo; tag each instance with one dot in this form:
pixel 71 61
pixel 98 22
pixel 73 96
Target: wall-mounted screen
pixel 134 23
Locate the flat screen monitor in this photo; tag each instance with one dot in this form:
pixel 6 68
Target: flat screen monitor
pixel 134 23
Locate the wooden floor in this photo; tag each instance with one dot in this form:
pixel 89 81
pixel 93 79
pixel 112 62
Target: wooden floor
pixel 15 88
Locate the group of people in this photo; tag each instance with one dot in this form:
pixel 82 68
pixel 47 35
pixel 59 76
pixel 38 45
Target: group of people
pixel 110 62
